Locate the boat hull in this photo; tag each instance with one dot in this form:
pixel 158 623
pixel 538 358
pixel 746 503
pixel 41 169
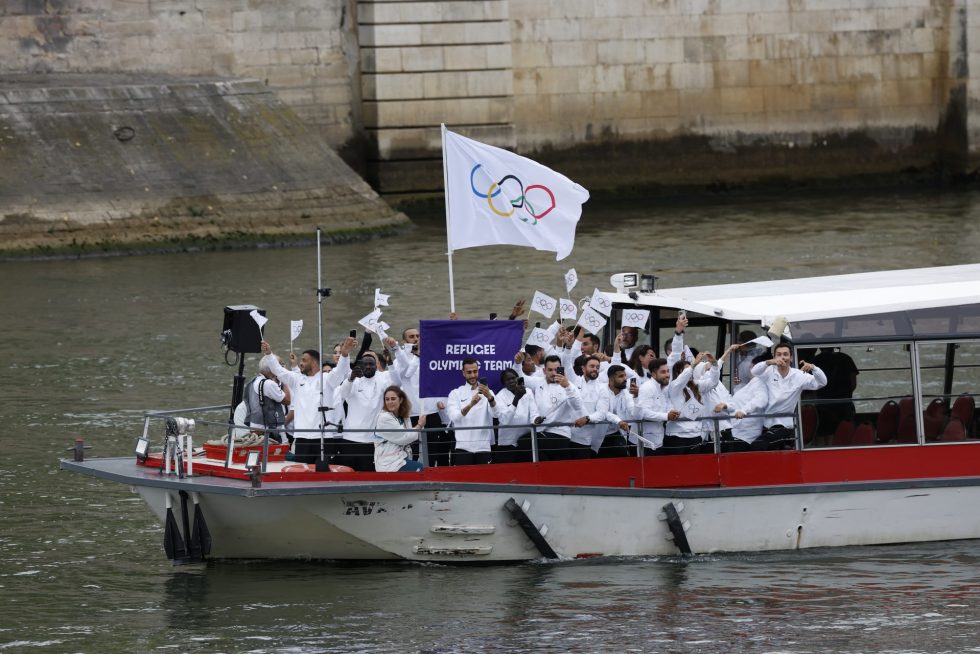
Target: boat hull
pixel 468 522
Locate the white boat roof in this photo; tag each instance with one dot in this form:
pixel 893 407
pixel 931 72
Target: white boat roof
pixel 815 298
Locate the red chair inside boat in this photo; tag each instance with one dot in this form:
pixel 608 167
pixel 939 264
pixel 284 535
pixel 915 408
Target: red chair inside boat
pixel 906 429
pixel 906 407
pixel 888 422
pixel 864 434
pixel 955 431
pixel 809 413
pixel 844 435
pixel 963 408
pixel 933 419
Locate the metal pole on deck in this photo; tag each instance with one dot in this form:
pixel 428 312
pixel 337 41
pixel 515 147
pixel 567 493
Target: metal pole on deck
pixel 321 292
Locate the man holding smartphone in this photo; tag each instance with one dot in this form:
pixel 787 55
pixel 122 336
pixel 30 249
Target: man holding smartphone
pixel 515 407
pixel 558 401
pixel 472 408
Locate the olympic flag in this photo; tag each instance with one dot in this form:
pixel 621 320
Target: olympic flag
pixel 495 197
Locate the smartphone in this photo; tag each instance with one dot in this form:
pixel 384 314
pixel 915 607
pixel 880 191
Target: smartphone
pixel 493 316
pixel 681 314
pixel 538 325
pixel 561 370
pixel 353 333
pixel 482 381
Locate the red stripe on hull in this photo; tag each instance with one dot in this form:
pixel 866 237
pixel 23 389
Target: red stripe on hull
pixel 690 471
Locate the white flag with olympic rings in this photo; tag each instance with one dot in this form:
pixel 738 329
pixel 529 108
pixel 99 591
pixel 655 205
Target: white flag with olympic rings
pixel 499 198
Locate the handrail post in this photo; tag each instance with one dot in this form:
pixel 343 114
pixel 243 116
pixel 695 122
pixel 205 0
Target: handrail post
pixel 231 443
pixel 265 450
pixel 717 429
pixel 639 440
pixel 534 444
pixel 424 446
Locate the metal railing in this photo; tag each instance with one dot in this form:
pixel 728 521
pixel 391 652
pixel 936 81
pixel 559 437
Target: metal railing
pixel 176 448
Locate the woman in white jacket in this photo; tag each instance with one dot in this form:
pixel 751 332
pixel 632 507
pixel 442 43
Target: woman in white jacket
pixel 689 435
pixel 391 444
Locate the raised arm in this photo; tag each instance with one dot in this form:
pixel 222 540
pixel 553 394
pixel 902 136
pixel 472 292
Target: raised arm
pixel 815 378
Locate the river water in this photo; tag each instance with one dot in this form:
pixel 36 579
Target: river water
pixel 88 345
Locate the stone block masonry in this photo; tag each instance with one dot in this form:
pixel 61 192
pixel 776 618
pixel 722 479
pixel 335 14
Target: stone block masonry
pixel 304 49
pixel 425 63
pixel 675 91
pixel 656 91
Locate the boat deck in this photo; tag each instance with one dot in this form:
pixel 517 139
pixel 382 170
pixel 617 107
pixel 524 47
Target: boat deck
pixel 678 476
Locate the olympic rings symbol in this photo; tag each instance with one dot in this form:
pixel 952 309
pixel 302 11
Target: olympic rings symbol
pixel 633 316
pixel 603 301
pixel 592 321
pixel 521 201
pixel 544 304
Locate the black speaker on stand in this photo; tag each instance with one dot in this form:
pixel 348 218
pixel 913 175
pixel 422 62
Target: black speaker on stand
pixel 240 334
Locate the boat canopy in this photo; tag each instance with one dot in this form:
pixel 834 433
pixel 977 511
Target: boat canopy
pixel 821 298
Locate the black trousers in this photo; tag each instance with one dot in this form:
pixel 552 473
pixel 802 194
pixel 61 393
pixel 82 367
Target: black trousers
pixel 681 445
pixel 440 441
pixel 519 453
pixel 578 451
pixel 552 447
pixel 307 450
pixel 465 458
pixel 776 437
pixel 359 456
pixel 613 446
pixel 731 444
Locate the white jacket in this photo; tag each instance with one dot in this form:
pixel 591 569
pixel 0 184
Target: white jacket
pixel 391 447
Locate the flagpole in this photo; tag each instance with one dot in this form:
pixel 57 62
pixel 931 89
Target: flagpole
pixel 449 241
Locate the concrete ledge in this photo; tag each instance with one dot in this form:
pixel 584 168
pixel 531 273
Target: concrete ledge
pixel 103 161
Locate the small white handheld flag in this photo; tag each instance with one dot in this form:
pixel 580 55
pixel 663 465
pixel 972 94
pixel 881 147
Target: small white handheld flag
pixel 380 299
pixel 259 319
pixel 567 309
pixel 635 318
pixel 543 304
pixel 764 341
pixel 571 279
pixel 600 302
pixel 370 321
pixel 496 197
pixel 295 328
pixel 539 337
pixel 591 320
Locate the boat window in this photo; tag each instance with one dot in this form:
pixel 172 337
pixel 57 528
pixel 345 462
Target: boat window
pixel 950 380
pixel 854 328
pixel 943 322
pixel 946 321
pixel 697 338
pixel 868 392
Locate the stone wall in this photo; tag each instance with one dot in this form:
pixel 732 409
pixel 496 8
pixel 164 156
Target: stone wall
pixel 424 63
pixel 658 91
pixel 685 91
pixel 304 49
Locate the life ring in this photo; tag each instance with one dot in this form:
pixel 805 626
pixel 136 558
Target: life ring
pixel 298 467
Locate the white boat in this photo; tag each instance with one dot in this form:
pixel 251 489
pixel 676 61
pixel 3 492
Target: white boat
pixel 917 482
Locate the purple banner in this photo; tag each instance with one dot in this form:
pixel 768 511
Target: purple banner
pixel 445 343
